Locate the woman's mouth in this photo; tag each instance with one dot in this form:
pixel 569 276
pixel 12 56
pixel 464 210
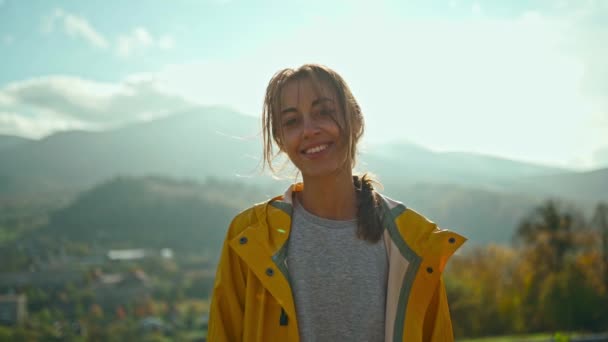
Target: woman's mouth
pixel 316 150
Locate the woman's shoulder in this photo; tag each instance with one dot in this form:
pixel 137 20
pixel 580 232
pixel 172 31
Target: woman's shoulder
pixel 416 227
pixel 244 219
pixel 250 216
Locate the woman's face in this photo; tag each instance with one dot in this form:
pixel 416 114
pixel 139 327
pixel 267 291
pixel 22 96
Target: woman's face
pixel 311 136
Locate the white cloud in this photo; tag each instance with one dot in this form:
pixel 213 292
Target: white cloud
pixel 238 84
pixel 75 26
pixel 140 40
pixel 5 100
pixel 37 107
pixel 136 41
pixel 12 123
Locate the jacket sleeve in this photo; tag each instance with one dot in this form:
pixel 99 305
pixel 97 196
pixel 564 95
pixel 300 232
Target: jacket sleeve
pixel 437 321
pixel 228 299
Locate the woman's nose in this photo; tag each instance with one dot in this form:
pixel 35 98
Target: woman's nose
pixel 310 127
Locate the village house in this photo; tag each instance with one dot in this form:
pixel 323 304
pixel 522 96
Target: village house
pixel 116 289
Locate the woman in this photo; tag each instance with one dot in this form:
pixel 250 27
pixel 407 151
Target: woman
pixel 331 259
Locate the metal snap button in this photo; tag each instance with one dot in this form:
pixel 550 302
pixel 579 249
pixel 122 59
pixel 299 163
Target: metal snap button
pixel 269 272
pixel 429 269
pixel 243 240
pixel 452 240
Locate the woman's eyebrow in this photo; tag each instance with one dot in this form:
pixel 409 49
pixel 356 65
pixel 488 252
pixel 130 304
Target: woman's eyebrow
pixel 289 110
pixel 314 103
pixel 321 100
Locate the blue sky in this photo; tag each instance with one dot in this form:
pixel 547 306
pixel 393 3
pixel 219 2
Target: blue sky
pixel 524 79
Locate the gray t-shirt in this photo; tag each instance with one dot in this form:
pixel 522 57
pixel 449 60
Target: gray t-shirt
pixel 338 280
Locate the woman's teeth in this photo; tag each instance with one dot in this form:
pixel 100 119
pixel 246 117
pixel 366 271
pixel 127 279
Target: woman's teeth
pixel 316 149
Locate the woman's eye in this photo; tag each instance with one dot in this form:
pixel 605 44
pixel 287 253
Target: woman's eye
pixel 289 122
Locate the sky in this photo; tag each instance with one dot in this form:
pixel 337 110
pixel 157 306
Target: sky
pixel 525 80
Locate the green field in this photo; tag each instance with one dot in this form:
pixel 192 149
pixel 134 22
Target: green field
pixel 535 337
pixel 557 337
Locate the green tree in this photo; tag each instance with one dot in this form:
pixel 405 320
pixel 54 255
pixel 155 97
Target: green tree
pixel 600 222
pixel 549 234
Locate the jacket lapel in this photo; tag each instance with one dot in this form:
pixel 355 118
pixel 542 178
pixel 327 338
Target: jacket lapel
pixel 265 250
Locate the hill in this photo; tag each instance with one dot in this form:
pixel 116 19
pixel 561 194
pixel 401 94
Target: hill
pixel 406 162
pixel 8 141
pixel 586 187
pixel 151 212
pixel 219 142
pixel 483 216
pixel 146 212
pixel 128 212
pixel 195 144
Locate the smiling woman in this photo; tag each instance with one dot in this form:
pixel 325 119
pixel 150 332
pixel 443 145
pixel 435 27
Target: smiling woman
pixel 331 259
pixel 309 123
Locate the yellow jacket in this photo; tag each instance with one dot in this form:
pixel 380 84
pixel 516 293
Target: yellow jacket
pixel 252 298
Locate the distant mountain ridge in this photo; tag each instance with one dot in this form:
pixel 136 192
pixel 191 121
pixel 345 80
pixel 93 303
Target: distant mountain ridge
pixel 589 186
pixel 419 164
pixel 219 142
pixel 482 197
pixel 190 144
pixel 8 141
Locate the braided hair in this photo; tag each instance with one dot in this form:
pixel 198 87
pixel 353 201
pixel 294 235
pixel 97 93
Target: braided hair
pixel 369 209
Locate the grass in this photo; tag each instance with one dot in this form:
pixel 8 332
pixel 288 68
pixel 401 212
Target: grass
pixel 533 337
pixel 558 337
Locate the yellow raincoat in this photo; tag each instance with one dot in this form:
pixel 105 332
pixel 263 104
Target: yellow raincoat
pixel 252 298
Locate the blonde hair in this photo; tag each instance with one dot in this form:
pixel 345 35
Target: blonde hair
pixel 349 120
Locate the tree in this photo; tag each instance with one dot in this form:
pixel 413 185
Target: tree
pixel 600 222
pixel 549 234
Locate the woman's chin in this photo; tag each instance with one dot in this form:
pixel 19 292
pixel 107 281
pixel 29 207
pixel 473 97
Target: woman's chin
pixel 327 171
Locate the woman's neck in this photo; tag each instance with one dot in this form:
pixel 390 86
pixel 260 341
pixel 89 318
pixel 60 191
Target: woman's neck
pixel 331 197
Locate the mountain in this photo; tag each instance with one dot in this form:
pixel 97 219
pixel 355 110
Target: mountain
pixel 8 141
pixel 481 215
pixel 590 186
pixel 204 142
pixel 196 143
pixel 409 163
pixel 147 212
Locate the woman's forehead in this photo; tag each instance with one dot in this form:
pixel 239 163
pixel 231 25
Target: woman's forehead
pixel 305 91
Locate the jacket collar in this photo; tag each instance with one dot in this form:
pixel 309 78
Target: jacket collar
pixel 274 226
